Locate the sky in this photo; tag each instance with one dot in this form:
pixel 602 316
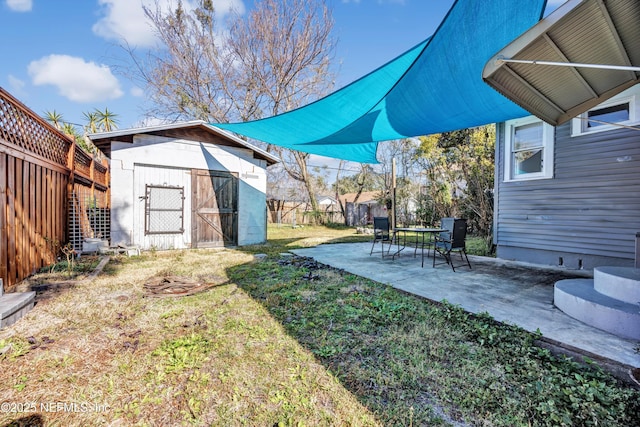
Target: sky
pixel 66 55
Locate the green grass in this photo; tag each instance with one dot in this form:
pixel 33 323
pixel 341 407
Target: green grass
pixel 286 342
pixel 286 237
pixel 416 363
pixel 478 246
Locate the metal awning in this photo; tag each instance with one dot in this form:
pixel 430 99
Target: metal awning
pixel 582 54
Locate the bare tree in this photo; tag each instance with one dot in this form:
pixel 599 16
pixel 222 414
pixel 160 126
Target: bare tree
pixel 192 74
pixel 285 49
pixel 404 151
pixel 274 60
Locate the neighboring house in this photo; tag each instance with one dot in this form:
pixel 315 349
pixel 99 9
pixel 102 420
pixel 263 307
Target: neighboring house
pixel 283 211
pixel 327 203
pixel 185 185
pixel 362 211
pixel 570 195
pixel 329 209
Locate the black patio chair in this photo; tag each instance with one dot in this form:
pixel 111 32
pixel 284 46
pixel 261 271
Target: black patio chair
pixel 452 240
pixel 381 233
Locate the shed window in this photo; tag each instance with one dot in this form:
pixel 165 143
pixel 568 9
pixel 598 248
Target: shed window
pixel 164 210
pixel 529 149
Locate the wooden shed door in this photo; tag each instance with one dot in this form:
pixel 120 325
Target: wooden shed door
pixel 215 209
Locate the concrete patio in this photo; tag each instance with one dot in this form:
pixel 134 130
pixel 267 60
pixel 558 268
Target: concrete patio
pixel 511 292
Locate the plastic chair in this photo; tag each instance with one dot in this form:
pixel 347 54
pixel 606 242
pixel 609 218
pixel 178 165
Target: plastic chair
pixel 381 233
pixel 453 240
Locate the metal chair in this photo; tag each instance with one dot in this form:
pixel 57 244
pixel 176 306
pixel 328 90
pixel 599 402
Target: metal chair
pixel 453 240
pixel 381 233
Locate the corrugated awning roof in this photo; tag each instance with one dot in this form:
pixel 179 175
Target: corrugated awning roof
pixel 595 42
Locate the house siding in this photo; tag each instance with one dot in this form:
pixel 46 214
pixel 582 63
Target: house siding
pixel 587 214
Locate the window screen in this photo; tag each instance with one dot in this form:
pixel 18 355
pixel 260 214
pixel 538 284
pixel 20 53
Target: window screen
pixel 164 210
pixel 527 149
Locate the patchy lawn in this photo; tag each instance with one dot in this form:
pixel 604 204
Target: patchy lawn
pixel 285 341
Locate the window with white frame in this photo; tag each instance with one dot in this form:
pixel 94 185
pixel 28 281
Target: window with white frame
pixel 528 149
pixel 620 110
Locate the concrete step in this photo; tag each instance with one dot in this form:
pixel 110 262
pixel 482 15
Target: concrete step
pixel 13 306
pixel 579 299
pixel 621 283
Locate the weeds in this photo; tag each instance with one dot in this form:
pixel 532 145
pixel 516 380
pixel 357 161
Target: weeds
pixel 71 267
pixel 183 353
pixel 70 254
pixel 287 341
pixel 409 360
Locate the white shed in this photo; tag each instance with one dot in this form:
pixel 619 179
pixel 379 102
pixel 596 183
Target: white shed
pixel 185 185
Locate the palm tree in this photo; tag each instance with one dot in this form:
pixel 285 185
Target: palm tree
pixel 92 121
pixel 54 118
pixel 70 130
pixel 107 120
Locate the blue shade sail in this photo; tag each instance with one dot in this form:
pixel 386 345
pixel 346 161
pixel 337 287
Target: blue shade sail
pixel 434 87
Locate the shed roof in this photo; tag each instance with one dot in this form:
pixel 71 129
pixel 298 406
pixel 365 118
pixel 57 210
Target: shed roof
pixel 580 55
pixel 193 130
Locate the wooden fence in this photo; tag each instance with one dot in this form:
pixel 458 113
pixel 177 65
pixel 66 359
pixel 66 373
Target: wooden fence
pixel 299 213
pixel 39 168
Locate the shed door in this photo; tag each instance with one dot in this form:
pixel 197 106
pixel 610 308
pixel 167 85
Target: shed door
pixel 215 209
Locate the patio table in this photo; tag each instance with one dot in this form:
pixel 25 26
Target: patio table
pixel 400 233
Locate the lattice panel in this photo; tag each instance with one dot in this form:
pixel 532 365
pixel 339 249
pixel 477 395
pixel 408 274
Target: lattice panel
pixel 89 216
pixel 21 128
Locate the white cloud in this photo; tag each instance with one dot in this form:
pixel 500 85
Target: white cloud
pixel 125 19
pixel 20 5
pixel 76 79
pixel 136 91
pixel 16 85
